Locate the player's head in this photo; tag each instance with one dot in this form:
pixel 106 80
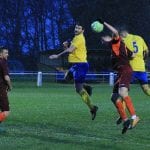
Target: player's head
pixel 4 52
pixel 123 33
pixel 79 28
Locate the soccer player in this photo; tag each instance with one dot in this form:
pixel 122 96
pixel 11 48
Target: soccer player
pixel 137 45
pixel 79 66
pixel 120 63
pixel 5 84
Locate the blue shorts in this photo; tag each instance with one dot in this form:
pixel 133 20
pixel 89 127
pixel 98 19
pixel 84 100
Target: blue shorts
pixel 140 76
pixel 79 71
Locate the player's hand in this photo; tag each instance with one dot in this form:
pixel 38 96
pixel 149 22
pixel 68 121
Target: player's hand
pixel 53 56
pixel 65 44
pixel 106 39
pixel 100 20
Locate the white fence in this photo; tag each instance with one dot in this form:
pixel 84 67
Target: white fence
pixel 59 76
pixel 111 76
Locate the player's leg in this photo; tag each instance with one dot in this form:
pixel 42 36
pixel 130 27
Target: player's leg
pixel 84 95
pixel 4 105
pixel 128 101
pixel 144 83
pixel 115 98
pixel 88 88
pixel 119 120
pixel 143 79
pixel 146 89
pixel 86 99
pixel 79 77
pixel 117 101
pixel 123 116
pixel 68 75
pixel 123 91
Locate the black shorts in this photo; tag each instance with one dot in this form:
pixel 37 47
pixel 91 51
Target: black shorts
pixel 4 103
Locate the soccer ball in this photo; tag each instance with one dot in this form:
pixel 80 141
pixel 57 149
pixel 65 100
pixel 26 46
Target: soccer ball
pixel 96 26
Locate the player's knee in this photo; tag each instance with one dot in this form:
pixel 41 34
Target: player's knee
pixel 78 87
pixel 114 97
pixel 78 91
pixel 6 113
pixel 123 91
pixel 88 88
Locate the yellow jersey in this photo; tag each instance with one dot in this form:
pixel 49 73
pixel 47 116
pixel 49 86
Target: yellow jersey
pixel 137 45
pixel 79 55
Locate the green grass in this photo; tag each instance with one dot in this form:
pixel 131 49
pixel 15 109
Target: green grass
pixel 53 117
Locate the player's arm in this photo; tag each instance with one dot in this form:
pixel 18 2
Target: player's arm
pixel 130 54
pixel 67 44
pixel 145 50
pixel 110 27
pixel 106 39
pixel 68 50
pixel 8 81
pixel 145 54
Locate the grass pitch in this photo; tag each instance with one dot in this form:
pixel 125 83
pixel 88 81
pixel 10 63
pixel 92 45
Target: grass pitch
pixel 54 117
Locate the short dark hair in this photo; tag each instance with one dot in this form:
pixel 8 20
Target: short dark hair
pixel 123 28
pixel 79 23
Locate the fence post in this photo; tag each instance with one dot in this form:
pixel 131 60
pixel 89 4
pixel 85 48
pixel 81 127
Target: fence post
pixel 39 79
pixel 111 78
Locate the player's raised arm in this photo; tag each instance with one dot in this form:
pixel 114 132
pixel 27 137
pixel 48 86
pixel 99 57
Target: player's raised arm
pixel 110 27
pixel 68 50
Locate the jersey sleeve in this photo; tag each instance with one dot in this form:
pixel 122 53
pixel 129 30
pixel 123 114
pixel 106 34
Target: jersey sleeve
pixel 145 47
pixel 76 42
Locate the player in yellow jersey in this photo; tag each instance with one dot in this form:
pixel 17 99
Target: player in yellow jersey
pixel 79 66
pixel 137 45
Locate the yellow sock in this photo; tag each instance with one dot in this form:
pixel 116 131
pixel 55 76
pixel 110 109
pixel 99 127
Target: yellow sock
pixel 147 91
pixel 86 98
pixel 124 105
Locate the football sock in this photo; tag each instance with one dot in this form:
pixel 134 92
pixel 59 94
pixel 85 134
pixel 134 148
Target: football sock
pixel 129 105
pixel 86 98
pixel 2 116
pixel 124 105
pixel 121 110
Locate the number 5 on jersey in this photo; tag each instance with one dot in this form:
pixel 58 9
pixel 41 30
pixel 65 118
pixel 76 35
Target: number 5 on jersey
pixel 135 47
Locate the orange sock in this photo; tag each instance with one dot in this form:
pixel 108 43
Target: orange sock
pixel 129 105
pixel 2 116
pixel 124 105
pixel 121 110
